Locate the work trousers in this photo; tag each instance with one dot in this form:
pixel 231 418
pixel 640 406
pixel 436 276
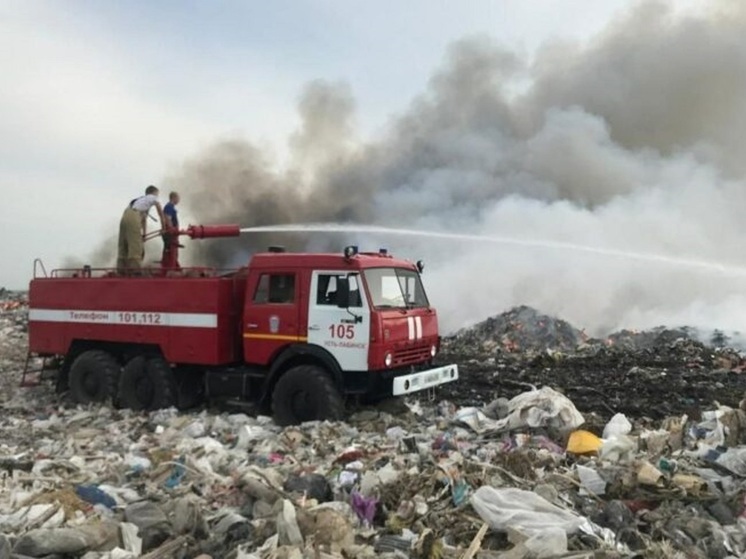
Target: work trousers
pixel 131 245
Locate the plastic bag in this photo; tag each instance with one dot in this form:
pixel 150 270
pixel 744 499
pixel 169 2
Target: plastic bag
pixel 547 543
pixel 734 460
pixel 542 408
pixel 617 426
pixel 476 420
pixel 288 531
pixel 590 480
pixel 93 495
pixel 617 449
pixel 536 408
pixel 524 511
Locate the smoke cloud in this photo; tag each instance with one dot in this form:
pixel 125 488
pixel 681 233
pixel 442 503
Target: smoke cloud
pixel 631 141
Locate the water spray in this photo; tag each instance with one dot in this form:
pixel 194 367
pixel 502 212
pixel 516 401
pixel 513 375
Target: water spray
pixel 525 243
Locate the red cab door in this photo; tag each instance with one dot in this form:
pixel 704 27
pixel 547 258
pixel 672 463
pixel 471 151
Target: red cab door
pixel 272 316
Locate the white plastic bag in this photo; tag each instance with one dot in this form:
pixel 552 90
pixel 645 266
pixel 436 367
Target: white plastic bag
pixel 547 543
pixel 592 483
pixel 617 426
pixel 617 449
pixel 524 511
pixel 542 408
pixel 536 408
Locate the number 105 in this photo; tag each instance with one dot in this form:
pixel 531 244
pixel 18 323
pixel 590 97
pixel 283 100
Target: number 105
pixel 342 331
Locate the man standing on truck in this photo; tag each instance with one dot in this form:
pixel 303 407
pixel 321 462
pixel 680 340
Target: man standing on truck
pixel 169 210
pixel 132 229
pixel 172 221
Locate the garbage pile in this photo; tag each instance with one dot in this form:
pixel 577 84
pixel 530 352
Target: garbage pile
pixel 519 478
pixel 519 330
pixel 654 374
pixel 13 344
pixel 546 463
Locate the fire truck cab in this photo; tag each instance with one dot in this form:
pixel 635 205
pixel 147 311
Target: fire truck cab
pixel 296 332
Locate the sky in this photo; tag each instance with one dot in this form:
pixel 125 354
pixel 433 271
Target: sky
pixel 99 98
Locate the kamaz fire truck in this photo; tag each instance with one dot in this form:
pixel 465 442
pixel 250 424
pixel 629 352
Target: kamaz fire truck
pixel 297 333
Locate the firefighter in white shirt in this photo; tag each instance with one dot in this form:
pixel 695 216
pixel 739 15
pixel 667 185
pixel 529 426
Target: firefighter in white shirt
pixel 132 229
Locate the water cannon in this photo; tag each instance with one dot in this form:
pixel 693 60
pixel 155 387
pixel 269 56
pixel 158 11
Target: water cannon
pixel 211 231
pixel 170 259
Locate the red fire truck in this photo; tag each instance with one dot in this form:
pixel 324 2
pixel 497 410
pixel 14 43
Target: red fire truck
pixel 296 332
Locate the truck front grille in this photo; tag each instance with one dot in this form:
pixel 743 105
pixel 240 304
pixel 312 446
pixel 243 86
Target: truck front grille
pixel 411 355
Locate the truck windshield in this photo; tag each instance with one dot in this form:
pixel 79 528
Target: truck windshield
pixel 395 288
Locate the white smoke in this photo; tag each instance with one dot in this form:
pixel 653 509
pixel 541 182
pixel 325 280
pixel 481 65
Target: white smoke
pixel 630 142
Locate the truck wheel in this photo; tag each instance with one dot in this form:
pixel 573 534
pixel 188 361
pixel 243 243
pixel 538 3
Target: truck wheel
pixel 93 377
pixel 190 388
pixel 146 384
pixel 306 393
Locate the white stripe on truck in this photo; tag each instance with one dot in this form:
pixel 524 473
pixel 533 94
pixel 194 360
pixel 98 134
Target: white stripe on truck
pixel 414 327
pixel 126 318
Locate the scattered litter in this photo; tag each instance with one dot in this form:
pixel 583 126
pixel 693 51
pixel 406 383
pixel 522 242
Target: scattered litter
pixel 498 466
pixel 522 510
pixel 647 474
pixel 583 442
pixel 617 426
pixel 93 495
pixel 591 481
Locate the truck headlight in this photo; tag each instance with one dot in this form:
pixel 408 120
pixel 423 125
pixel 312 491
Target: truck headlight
pixel 388 359
pixel 433 350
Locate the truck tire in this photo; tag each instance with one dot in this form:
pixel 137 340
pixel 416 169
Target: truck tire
pixel 93 377
pixel 190 388
pixel 147 384
pixel 306 393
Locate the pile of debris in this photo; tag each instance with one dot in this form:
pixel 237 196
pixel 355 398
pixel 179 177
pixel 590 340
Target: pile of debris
pixel 520 330
pixel 13 321
pixel 653 374
pixel 551 470
pixel 13 344
pixel 519 478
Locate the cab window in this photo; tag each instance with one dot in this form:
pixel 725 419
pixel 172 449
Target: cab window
pixel 326 290
pixel 395 288
pixel 275 288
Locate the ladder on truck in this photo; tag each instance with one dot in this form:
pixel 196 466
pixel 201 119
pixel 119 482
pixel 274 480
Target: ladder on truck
pixel 35 375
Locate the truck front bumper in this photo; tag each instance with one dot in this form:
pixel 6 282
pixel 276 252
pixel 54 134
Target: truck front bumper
pixel 422 380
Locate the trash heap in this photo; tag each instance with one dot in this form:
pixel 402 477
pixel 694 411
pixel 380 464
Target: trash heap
pixel 519 330
pixel 519 478
pixel 13 344
pixel 626 372
pixel 539 469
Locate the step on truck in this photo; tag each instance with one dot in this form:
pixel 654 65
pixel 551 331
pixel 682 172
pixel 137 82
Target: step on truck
pixel 297 333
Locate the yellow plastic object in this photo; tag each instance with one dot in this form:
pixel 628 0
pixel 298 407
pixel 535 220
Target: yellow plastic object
pixel 583 442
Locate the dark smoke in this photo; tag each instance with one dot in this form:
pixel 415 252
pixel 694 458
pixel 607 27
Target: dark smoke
pixel 629 141
pixel 234 181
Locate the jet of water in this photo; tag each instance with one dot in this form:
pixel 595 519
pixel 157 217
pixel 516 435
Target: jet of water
pixel 711 267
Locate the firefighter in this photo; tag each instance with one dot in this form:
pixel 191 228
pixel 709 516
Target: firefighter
pixel 132 229
pixel 169 210
pixel 172 223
